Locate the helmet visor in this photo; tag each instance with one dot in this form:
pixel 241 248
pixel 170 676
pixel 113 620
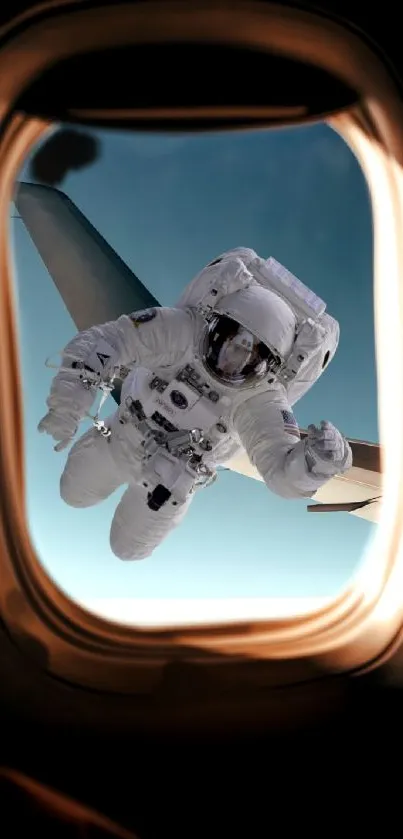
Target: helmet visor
pixel 235 356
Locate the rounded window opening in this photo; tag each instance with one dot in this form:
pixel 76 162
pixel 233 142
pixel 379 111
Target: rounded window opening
pixel 121 231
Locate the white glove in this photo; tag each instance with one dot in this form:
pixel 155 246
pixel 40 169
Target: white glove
pixel 60 426
pixel 327 451
pixel 68 402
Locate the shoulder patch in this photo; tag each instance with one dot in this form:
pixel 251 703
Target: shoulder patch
pixel 290 423
pixel 144 316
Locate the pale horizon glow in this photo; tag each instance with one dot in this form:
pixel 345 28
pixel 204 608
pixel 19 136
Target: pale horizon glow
pixel 174 612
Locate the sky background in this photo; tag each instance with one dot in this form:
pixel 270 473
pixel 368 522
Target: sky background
pixel 168 205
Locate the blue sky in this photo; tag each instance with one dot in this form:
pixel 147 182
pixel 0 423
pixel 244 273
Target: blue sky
pixel 168 205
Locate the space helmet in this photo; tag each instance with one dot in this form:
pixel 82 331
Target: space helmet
pixel 248 337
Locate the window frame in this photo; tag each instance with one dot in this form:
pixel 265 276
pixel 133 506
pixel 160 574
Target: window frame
pixel 363 624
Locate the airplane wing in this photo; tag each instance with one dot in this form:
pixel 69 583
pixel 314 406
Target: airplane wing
pixel 93 281
pixel 96 286
pixel 359 486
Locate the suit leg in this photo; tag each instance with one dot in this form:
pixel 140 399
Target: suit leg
pixel 136 530
pixel 90 474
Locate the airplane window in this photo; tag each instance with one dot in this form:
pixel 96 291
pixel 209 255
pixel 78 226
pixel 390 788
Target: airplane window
pixel 168 205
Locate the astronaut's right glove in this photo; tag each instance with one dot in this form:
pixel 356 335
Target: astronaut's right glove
pixel 327 452
pixel 60 426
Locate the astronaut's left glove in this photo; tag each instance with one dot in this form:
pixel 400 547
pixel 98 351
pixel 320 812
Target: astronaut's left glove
pixel 327 452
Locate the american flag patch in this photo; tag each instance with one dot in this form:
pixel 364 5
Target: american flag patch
pixel 290 423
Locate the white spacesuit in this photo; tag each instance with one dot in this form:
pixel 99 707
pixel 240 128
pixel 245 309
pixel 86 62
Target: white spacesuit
pixel 202 382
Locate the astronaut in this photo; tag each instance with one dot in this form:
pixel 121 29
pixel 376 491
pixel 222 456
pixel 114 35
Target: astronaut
pixel 201 383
